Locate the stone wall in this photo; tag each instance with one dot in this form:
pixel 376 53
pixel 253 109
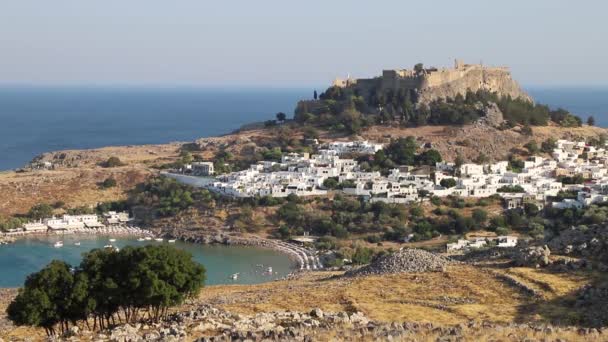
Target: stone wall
pixel 432 84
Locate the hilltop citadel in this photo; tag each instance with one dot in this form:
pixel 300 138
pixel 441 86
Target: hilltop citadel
pixel 433 83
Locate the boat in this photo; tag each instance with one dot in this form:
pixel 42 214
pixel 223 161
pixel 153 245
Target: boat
pixel 76 243
pixel 147 238
pixel 158 239
pixel 141 239
pixel 171 241
pixel 112 240
pixel 234 276
pixel 58 244
pixel 269 270
pixel 108 246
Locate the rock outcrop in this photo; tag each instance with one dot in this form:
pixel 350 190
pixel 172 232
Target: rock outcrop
pixel 404 261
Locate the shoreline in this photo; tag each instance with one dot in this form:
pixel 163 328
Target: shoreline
pixel 107 231
pixel 304 258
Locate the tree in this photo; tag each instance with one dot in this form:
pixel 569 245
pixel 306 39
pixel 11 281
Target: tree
pixel 40 211
pixel 315 95
pixel 281 116
pixel 429 157
pixel 458 161
pixel 402 151
pixel 480 216
pixel 448 182
pixel 591 120
pixel 532 147
pixel 330 183
pixel 548 145
pixel 150 278
pixel 418 68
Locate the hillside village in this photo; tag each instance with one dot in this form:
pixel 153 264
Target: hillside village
pixel 537 182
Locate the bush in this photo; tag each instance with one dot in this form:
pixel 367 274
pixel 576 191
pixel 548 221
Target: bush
pixel 108 183
pixel 112 162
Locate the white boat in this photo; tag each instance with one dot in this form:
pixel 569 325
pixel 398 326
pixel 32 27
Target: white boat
pixel 158 239
pixel 171 241
pixel 234 276
pixel 269 270
pixel 108 246
pixel 147 238
pixel 58 244
pixel 76 243
pixel 112 240
pixel 141 239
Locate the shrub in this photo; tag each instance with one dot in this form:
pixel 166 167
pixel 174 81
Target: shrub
pixel 108 183
pixel 112 162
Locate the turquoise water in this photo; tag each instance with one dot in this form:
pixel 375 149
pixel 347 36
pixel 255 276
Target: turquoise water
pixel 28 255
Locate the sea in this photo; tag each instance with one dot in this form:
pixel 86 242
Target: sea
pixel 251 264
pixel 35 119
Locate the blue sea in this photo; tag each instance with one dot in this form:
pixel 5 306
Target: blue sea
pixel 34 120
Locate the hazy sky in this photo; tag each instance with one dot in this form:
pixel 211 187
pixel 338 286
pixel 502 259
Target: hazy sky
pixel 295 43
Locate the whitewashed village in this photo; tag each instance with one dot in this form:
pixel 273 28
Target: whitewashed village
pixel 302 174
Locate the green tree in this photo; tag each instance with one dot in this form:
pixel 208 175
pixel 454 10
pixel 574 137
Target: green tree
pixel 591 120
pixel 429 157
pixel 532 147
pixel 480 216
pixel 448 182
pixel 330 183
pixel 548 145
pixel 281 116
pixel 402 151
pixel 40 211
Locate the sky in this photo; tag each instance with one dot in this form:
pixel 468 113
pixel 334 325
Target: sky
pixel 286 43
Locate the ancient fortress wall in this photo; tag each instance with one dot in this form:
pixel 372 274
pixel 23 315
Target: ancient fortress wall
pixel 432 84
pixel 449 83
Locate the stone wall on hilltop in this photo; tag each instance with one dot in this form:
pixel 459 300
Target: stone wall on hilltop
pixel 443 85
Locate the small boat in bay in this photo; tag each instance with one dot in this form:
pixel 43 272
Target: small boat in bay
pixel 76 243
pixel 158 239
pixel 234 276
pixel 58 244
pixel 141 239
pixel 147 238
pixel 112 240
pixel 171 241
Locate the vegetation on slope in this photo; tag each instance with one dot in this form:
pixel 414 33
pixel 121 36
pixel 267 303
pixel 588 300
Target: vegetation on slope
pixel 341 109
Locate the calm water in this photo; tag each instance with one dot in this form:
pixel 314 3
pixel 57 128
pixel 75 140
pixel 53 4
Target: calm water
pixel 581 101
pixel 25 256
pixel 36 120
